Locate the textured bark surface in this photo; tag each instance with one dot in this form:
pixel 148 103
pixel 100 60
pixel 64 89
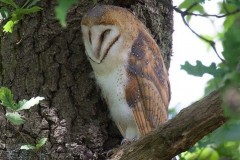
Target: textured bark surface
pixel 179 133
pixel 40 58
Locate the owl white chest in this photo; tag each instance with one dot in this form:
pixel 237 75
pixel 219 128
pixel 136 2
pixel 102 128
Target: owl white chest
pixel 113 89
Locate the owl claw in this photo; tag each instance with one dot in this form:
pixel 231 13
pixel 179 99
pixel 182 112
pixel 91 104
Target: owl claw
pixel 127 141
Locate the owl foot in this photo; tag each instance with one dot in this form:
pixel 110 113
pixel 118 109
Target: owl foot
pixel 127 141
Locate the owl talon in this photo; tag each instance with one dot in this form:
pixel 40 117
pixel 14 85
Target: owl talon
pixel 127 141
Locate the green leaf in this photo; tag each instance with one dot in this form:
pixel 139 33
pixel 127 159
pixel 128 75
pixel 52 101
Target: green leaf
pixel 41 142
pixel 24 104
pixel 28 147
pixel 201 69
pixel 10 2
pixel 231 45
pixel 8 27
pixel 188 18
pixel 228 132
pixel 229 149
pixel 4 12
pixel 229 22
pixel 235 2
pixel 213 84
pixel 17 16
pixel 30 3
pixel 61 10
pixel 19 13
pixel 6 98
pixel 187 3
pixel 15 118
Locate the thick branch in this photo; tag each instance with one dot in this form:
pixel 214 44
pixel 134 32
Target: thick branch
pixel 179 133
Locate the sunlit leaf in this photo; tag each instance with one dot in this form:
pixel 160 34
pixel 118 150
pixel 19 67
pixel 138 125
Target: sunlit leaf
pixel 15 118
pixel 62 9
pixel 229 149
pixel 206 153
pixel 28 147
pixel 24 104
pixel 229 22
pixel 8 27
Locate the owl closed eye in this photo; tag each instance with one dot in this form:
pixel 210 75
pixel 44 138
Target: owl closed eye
pixel 128 68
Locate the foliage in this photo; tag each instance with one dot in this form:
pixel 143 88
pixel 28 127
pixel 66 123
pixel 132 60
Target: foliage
pixel 13 114
pixel 226 73
pixel 200 69
pixel 13 108
pixel 61 10
pixel 13 13
pixel 224 142
pixel 38 145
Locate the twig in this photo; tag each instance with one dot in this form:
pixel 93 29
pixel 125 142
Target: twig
pixel 185 13
pixel 211 43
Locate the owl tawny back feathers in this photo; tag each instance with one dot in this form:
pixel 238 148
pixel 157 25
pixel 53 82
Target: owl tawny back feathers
pixel 129 69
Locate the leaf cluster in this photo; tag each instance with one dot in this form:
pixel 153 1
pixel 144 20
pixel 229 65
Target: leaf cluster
pixel 13 112
pixel 224 143
pixel 37 146
pixel 13 108
pixel 12 13
pixel 62 9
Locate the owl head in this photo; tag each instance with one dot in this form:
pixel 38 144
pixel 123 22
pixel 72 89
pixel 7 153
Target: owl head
pixel 108 30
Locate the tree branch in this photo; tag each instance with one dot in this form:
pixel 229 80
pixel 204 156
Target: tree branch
pixel 178 134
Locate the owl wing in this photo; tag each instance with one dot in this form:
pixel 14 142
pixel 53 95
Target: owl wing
pixel 148 90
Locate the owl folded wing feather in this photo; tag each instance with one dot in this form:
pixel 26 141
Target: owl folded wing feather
pixel 147 92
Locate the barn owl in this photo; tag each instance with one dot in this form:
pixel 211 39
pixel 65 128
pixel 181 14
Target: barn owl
pixel 129 69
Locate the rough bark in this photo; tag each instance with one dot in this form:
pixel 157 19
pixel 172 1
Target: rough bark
pixel 179 133
pixel 40 58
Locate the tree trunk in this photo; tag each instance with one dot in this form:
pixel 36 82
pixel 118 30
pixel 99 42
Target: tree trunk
pixel 40 58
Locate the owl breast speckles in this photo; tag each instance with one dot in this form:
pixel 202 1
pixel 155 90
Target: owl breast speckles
pixel 129 69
